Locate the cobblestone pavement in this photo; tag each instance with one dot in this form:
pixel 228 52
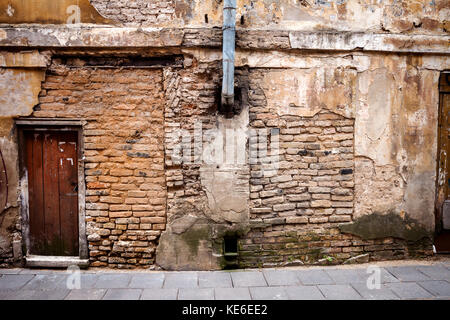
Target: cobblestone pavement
pixel 399 280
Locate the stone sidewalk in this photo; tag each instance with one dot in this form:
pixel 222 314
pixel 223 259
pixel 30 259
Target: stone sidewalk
pixel 399 280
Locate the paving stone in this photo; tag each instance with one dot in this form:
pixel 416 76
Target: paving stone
pixel 409 290
pixel 14 281
pixel 304 293
pixel 10 271
pixel 344 276
pixel 435 272
pixel 248 279
pixel 387 277
pixel 58 294
pixel 196 294
pixel 88 280
pixel 113 281
pixel 47 282
pixel 86 294
pixel 281 277
pixel 339 292
pixel 214 280
pixel 408 273
pixel 159 294
pixel 143 281
pixel 232 294
pixel 384 293
pixel 181 280
pixel 268 293
pixel 42 271
pixel 437 287
pixel 314 277
pixel 123 294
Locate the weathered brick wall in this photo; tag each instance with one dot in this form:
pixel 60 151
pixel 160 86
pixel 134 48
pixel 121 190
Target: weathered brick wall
pixel 191 97
pixel 351 15
pixel 296 210
pixel 136 11
pixel 124 156
pixel 135 192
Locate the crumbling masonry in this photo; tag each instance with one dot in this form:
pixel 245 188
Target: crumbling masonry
pixel 348 89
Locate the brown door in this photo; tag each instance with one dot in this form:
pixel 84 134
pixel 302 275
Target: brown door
pixel 51 163
pixel 442 237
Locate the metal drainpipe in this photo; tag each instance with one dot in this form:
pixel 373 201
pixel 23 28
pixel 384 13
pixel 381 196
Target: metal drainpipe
pixel 229 36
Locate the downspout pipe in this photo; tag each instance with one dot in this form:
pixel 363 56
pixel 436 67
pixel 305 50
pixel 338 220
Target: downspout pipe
pixel 228 52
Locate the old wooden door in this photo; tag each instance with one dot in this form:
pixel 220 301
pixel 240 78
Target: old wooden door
pixel 51 164
pixel 442 237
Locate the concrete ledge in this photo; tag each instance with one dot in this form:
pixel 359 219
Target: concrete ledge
pixel 55 262
pixel 27 59
pixel 344 41
pixel 88 36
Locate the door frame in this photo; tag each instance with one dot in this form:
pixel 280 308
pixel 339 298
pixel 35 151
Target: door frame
pixel 441 184
pixel 61 125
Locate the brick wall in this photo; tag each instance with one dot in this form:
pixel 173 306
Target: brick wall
pixel 296 210
pixel 136 11
pixel 191 96
pixel 130 177
pixel 124 156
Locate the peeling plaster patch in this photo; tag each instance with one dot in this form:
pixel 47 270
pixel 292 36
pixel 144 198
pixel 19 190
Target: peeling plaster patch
pixel 19 89
pixel 356 15
pixel 372 127
pixel 225 182
pixel 3 35
pixel 420 197
pixel 435 62
pixel 305 92
pixel 377 188
pixel 378 226
pixel 27 59
pixel 8 220
pixel 9 150
pixel 298 15
pixel 182 224
pixel 226 202
pixel 396 138
pixel 190 250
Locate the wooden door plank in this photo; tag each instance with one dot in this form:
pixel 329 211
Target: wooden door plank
pixel 51 195
pixel 68 192
pixel 34 166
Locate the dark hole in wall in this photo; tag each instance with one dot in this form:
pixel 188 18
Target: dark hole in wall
pixel 230 252
pixel 121 61
pixel 346 171
pixel 230 245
